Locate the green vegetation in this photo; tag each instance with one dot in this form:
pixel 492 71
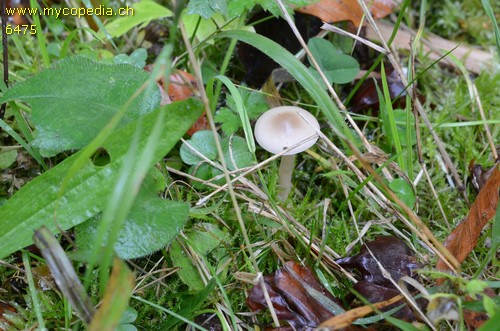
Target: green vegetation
pixel 91 150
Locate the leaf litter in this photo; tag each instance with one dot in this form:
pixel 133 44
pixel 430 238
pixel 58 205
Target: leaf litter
pixel 299 298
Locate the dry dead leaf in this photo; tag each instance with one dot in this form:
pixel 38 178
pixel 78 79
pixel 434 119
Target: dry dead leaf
pixel 391 252
pixel 182 86
pixel 290 298
pixel 463 239
pixel 347 10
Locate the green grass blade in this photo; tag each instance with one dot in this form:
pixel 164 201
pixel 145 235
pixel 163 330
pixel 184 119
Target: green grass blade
pixel 33 291
pixel 240 105
pixel 394 137
pixel 7 128
pixel 42 41
pixel 491 15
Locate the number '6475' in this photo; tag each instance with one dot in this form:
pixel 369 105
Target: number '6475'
pixel 21 29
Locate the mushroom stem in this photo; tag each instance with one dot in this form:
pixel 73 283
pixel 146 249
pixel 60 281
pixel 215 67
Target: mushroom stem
pixel 287 165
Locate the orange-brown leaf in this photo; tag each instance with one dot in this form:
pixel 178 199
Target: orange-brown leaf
pixel 463 239
pixel 347 10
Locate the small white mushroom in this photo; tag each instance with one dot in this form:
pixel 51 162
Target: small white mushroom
pixel 281 128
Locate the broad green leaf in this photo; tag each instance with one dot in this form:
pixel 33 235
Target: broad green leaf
pixel 300 73
pixel 7 158
pixel 403 191
pixel 204 143
pixel 137 58
pixel 203 29
pixel 75 99
pixel 338 67
pixel 207 9
pixel 236 153
pixel 151 224
pixel 40 202
pixel 205 237
pixel 144 12
pixel 129 316
pixel 188 274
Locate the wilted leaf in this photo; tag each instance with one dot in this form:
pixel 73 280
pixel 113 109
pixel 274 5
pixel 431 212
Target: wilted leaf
pixel 479 176
pixel 462 240
pixel 347 318
pixel 378 293
pixel 64 274
pixel 366 97
pixel 115 301
pixel 291 298
pixel 182 85
pixel 395 257
pixel 348 10
pixel 391 252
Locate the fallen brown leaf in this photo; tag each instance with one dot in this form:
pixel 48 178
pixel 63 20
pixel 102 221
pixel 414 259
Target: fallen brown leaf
pixel 366 97
pixel 463 239
pixel 391 252
pixel 479 176
pixel 347 10
pixel 181 87
pixel 290 297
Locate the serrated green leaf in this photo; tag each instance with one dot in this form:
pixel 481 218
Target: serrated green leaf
pixel 229 120
pixel 40 202
pixel 75 99
pixel 254 102
pixel 144 12
pixel 236 153
pixel 204 143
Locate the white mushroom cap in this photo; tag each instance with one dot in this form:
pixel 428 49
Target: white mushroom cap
pixel 283 127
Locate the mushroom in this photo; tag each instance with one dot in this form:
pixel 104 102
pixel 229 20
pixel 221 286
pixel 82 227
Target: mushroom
pixel 281 128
